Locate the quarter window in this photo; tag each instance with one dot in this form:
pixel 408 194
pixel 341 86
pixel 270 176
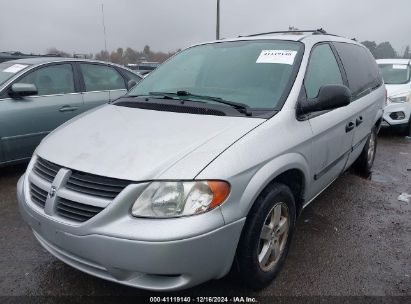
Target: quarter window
pixel 132 76
pixel 50 80
pixel 360 67
pixel 322 70
pixel 101 78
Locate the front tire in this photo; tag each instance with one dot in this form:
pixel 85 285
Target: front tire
pixel 266 236
pixel 365 161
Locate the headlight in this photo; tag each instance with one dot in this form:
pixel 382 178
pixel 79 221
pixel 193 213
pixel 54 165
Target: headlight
pixel 180 198
pixel 400 98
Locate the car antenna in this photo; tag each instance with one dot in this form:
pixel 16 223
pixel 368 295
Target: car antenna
pixel 105 43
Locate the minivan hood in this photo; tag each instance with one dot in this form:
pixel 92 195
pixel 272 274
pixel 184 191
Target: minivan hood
pixel 136 144
pixel 395 89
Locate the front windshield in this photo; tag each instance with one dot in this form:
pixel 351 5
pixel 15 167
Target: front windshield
pixel 395 73
pixel 9 69
pixel 254 73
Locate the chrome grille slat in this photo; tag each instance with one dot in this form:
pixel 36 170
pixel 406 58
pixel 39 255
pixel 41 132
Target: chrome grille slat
pixel 77 197
pixel 37 201
pixel 95 186
pixel 76 211
pixel 92 192
pixel 46 170
pixel 43 174
pixel 84 207
pixel 39 196
pixel 39 191
pixel 105 181
pixel 49 165
pixel 73 216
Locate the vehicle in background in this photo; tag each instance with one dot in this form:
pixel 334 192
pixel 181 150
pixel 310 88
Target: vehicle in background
pixel 39 94
pixel 207 163
pixel 143 68
pixel 397 78
pixel 7 56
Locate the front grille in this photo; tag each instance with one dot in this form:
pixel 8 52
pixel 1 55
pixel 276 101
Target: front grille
pixel 80 189
pixel 94 185
pixel 76 211
pixel 38 196
pixel 46 169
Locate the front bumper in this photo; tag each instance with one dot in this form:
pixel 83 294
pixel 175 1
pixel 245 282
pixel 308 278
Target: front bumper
pixel 396 107
pixel 168 264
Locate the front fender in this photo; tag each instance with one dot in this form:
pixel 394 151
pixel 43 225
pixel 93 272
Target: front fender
pixel 254 181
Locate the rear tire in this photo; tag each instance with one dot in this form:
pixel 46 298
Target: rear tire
pixel 365 161
pixel 266 236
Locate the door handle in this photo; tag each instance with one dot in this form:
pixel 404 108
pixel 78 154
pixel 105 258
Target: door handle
pixel 358 121
pixel 349 127
pixel 68 109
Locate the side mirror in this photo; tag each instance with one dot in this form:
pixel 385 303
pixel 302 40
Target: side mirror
pixel 23 89
pixel 329 97
pixel 131 83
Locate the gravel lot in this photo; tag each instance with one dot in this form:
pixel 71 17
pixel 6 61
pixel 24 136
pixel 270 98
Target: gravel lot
pixel 353 240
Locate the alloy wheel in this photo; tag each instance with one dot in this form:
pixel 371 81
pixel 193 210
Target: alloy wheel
pixel 273 236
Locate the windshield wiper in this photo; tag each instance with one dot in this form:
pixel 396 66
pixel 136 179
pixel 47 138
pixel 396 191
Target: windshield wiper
pixel 165 95
pixel 241 107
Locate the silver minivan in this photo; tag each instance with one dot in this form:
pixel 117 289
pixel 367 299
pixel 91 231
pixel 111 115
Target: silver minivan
pixel 206 164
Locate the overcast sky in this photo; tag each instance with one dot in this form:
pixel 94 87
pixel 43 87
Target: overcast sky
pixel 166 25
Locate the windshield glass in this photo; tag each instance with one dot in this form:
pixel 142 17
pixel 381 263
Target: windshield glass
pixel 395 73
pixel 9 69
pixel 254 73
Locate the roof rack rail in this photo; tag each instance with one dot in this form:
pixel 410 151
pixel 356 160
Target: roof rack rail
pixel 319 31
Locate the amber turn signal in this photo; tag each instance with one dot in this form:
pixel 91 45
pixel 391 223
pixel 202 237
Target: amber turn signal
pixel 220 191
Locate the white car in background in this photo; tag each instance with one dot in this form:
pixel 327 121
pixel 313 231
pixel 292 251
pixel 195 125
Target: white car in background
pixel 397 78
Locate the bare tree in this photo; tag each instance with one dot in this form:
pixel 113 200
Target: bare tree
pixel 55 51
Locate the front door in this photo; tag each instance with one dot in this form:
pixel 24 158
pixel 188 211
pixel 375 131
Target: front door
pixel 101 84
pixel 332 131
pixel 25 121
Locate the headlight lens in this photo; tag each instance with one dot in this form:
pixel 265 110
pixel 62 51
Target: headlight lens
pixel 400 98
pixel 180 198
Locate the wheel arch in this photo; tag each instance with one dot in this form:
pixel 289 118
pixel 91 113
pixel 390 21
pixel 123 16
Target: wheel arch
pixel 290 169
pixel 378 120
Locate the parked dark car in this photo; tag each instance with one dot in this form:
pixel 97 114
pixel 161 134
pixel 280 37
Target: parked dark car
pixel 7 56
pixel 39 94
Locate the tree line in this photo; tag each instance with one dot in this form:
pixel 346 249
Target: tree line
pixel 120 55
pixel 385 50
pixel 130 55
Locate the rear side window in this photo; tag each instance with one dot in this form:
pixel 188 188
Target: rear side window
pixel 322 70
pixel 360 67
pixel 101 78
pixel 50 80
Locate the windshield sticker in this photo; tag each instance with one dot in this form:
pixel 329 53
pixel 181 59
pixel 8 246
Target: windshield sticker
pixel 15 68
pixel 277 56
pixel 399 66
